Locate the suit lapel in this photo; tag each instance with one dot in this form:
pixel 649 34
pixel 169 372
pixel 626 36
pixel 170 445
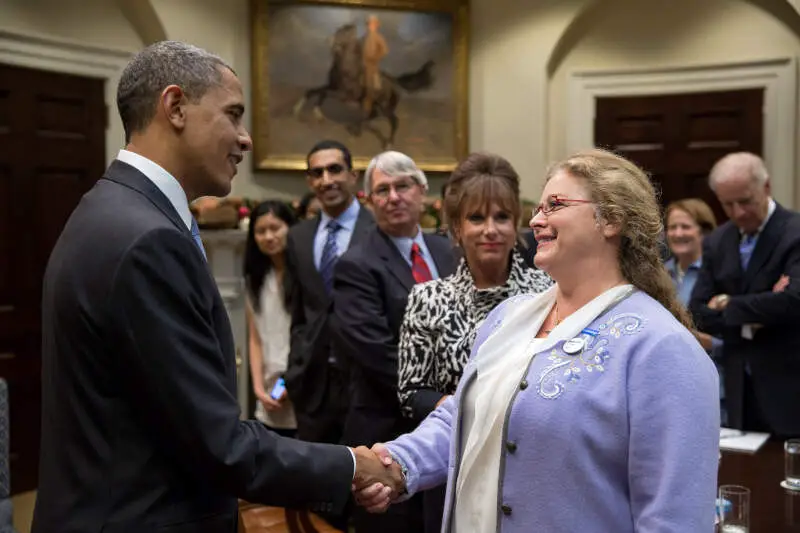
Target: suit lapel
pixel 441 252
pixel 765 245
pixel 364 223
pixel 305 256
pixel 129 176
pixel 393 260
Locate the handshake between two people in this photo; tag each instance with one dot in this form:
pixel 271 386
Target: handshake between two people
pixel 379 480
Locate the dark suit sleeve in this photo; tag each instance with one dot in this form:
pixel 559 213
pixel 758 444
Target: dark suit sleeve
pixel 181 385
pixel 707 320
pixel 361 332
pixel 416 373
pixel 297 345
pixel 770 308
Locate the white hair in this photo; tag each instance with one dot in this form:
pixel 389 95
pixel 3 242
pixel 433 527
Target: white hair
pixel 737 163
pixel 395 165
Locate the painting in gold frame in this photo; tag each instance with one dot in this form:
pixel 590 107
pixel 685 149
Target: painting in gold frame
pixel 348 69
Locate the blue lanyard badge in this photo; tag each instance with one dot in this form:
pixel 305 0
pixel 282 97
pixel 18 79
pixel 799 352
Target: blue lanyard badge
pixel 578 344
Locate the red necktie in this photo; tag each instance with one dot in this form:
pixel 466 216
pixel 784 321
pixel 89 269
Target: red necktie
pixel 419 268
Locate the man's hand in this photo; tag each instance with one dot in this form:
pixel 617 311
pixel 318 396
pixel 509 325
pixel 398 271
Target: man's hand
pixel 781 284
pixel 378 480
pixel 719 302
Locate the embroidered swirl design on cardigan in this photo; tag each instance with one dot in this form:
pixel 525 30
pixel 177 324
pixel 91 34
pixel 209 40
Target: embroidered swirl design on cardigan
pixel 567 368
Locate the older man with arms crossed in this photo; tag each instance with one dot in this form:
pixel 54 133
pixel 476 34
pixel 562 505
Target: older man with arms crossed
pixel 748 292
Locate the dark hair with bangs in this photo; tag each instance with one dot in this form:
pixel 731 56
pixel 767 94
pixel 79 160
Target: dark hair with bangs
pixel 479 181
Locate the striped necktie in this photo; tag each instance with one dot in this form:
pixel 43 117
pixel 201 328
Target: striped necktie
pixel 330 253
pixel 746 247
pixel 419 268
pixel 196 236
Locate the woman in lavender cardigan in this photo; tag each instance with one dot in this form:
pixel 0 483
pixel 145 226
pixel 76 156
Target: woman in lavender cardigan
pixel 590 407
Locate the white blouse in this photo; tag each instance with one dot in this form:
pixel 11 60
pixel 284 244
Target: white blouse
pixel 273 324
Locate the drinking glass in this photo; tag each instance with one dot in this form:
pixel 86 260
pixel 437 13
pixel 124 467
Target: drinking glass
pixel 735 514
pixel 791 458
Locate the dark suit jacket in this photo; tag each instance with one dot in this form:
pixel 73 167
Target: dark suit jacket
pixel 140 421
pixel 371 286
pixel 306 375
pixel 774 353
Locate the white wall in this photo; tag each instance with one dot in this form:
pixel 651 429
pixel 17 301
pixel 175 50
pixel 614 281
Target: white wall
pixel 516 106
pixel 627 34
pixel 95 22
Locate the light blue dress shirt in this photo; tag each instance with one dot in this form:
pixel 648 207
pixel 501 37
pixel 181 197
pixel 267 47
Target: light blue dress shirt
pixel 404 244
pixel 347 221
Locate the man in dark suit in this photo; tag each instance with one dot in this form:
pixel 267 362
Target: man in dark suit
pixel 315 377
pixel 141 429
pixel 748 292
pixel 371 287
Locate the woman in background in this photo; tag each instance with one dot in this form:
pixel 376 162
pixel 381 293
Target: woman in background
pixel 267 313
pixel 688 221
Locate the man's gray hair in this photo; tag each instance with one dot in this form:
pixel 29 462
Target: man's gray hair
pixel 155 68
pixel 736 164
pixel 395 165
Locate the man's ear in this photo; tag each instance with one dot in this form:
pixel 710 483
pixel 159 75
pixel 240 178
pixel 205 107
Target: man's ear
pixel 173 104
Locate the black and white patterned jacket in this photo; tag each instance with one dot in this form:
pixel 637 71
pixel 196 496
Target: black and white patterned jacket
pixel 439 328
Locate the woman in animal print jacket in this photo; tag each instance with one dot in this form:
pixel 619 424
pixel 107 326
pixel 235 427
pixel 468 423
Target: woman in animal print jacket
pixel 483 209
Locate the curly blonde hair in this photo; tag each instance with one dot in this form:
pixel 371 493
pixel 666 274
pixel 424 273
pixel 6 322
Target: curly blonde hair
pixel 624 196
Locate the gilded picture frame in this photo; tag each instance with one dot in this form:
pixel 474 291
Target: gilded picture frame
pixel 320 72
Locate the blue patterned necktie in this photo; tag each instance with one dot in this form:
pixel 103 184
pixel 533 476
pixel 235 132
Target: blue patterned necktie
pixel 746 249
pixel 196 236
pixel 330 253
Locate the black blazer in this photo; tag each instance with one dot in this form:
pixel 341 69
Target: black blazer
pixel 310 306
pixel 371 286
pixel 774 353
pixel 140 421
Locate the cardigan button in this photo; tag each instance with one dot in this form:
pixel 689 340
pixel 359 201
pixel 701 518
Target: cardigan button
pixel 511 446
pixel 506 509
pixel 523 384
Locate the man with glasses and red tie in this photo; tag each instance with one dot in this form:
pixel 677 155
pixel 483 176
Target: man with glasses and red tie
pixel 315 377
pixel 371 286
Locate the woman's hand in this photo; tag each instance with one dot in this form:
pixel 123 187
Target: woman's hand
pixel 267 401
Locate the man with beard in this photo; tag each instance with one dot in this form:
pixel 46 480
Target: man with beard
pixel 371 287
pixel 315 377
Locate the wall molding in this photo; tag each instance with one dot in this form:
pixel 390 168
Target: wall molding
pixel 45 52
pixel 778 78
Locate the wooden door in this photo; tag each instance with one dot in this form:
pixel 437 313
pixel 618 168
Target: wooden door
pixel 677 138
pixel 52 149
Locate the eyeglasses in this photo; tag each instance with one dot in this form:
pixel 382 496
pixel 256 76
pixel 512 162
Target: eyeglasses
pixel 401 188
pixel 333 168
pixel 554 202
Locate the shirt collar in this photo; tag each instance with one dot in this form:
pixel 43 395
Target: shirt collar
pixel 162 179
pixel 771 206
pixel 347 219
pixel 404 244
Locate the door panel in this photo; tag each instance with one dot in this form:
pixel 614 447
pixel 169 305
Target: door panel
pixel 52 149
pixel 677 138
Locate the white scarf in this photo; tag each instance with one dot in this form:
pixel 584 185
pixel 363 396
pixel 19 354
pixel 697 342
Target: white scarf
pixel 502 361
